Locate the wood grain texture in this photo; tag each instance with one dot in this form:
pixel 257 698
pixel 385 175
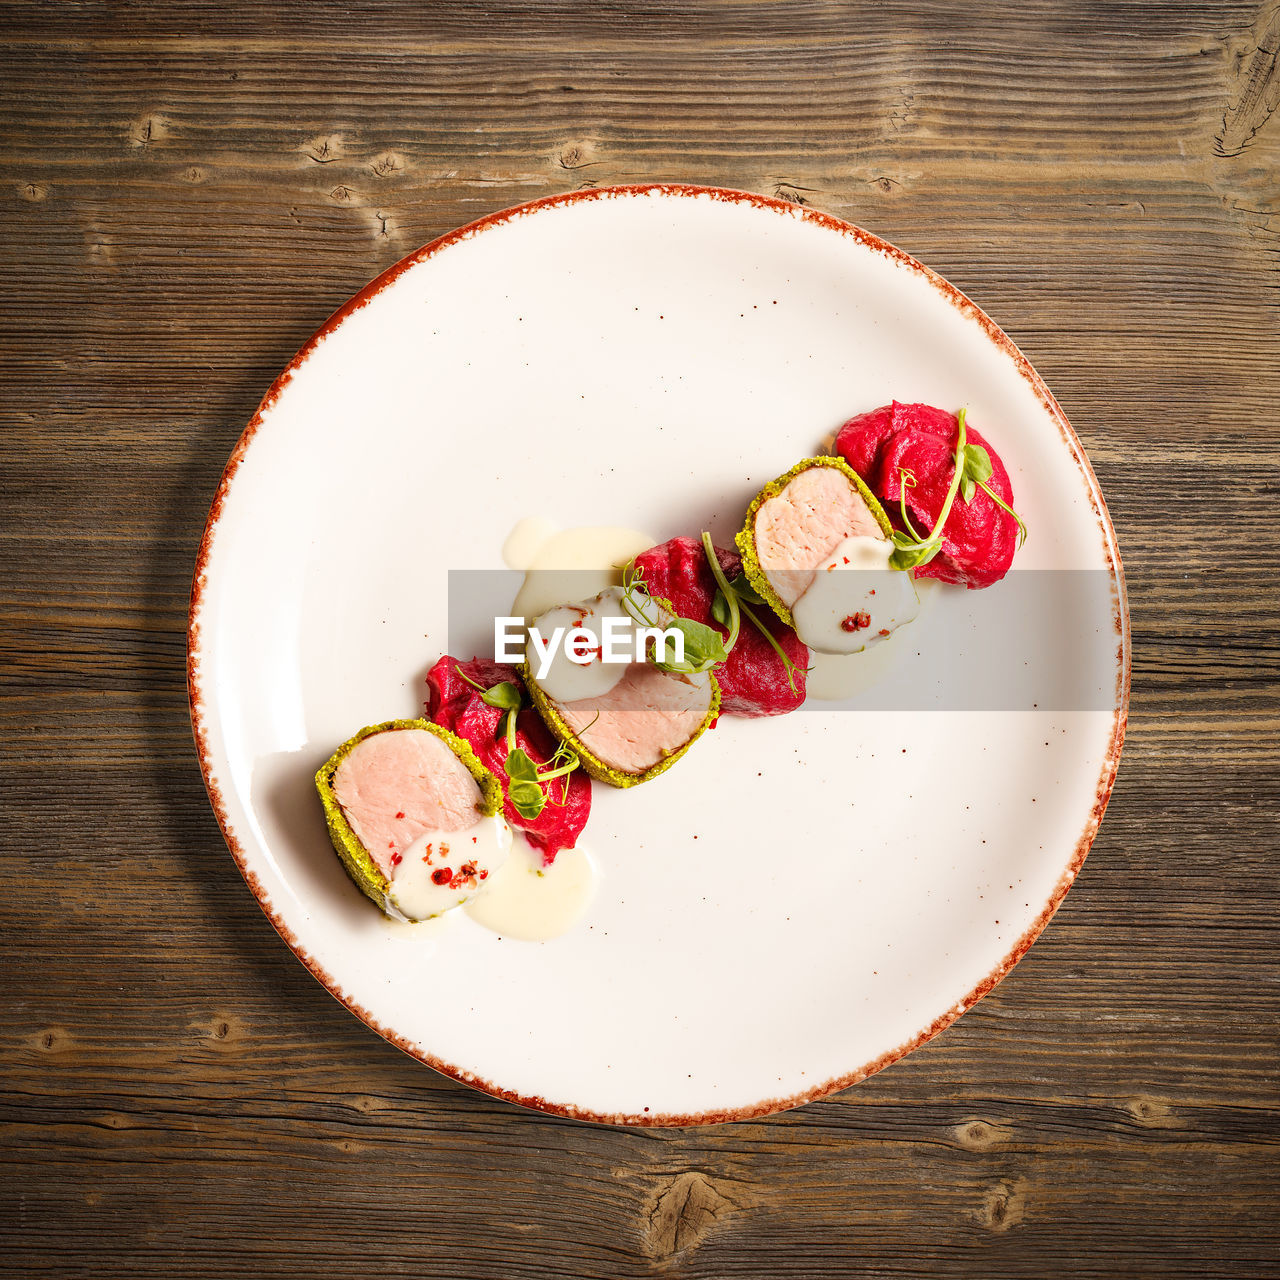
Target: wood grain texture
pixel 188 190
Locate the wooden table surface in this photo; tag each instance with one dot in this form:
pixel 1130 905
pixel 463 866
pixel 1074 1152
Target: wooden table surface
pixel 189 190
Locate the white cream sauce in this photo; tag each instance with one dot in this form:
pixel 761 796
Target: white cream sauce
pixel 560 676
pixel 419 931
pixel 855 600
pixel 833 677
pixel 526 539
pixel 567 564
pixel 533 903
pixel 441 870
pixel 522 899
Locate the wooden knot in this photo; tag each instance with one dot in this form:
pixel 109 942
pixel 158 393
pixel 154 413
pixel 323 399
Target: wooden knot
pixel 1004 1205
pixel 387 165
pixel 323 150
pixel 791 193
pixel 224 1031
pixel 577 155
pixel 979 1135
pixel 148 129
pixel 1257 88
pixel 1152 1113
pixel 681 1215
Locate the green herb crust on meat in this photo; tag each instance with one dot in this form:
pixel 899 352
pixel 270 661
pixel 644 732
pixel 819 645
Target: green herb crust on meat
pixel 746 537
pixel 355 857
pixel 592 763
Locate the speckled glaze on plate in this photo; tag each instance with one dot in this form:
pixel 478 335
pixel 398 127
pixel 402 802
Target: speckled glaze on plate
pixel 789 909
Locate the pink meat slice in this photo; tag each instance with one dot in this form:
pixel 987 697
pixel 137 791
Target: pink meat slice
pixel 455 703
pixel 646 716
pixel 399 783
pixel 797 529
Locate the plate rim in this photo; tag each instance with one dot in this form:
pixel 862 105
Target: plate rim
pixel 1120 617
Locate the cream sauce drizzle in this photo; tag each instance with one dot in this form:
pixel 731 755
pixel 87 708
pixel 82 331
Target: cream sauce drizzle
pixel 563 679
pixel 526 539
pixel 833 677
pixel 533 903
pixel 413 895
pixel 560 565
pixel 854 581
pixel 522 899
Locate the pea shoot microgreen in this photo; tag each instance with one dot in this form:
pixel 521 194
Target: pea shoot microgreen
pixel 972 471
pixel 526 783
pixel 505 696
pixel 462 675
pixel 730 603
pixel 730 614
pixel 1004 506
pixel 704 647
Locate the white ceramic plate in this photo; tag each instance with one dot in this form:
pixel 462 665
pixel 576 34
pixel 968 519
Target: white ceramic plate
pixel 801 900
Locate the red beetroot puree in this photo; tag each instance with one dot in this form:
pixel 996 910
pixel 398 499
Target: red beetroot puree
pixel 979 539
pixel 753 682
pixel 456 705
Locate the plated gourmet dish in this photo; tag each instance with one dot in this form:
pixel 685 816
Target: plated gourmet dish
pixel 797 899
pixel 618 687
